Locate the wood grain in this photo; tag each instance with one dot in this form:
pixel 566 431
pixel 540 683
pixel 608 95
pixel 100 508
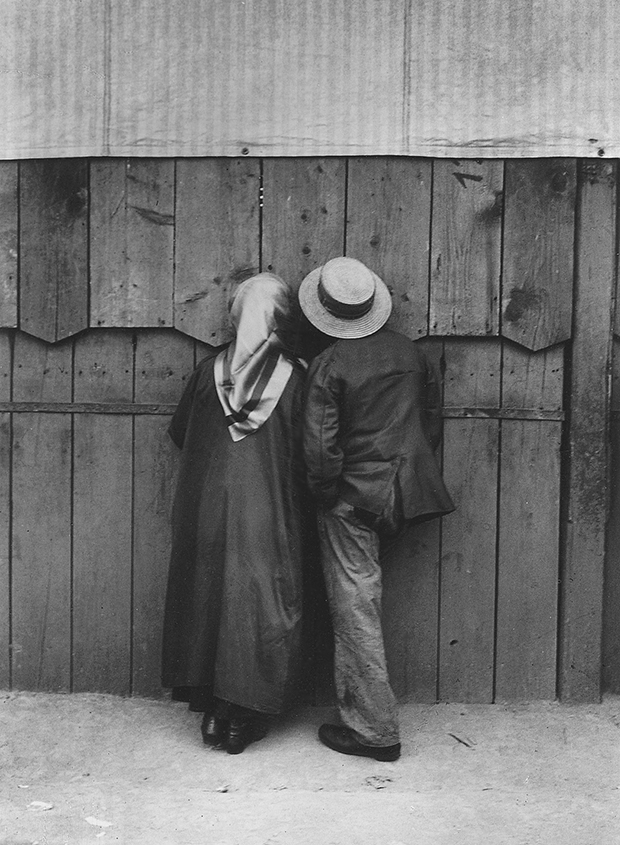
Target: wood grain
pixel 388 228
pixel 539 227
pixel 466 242
pixel 8 243
pixel 303 214
pixel 132 242
pixel 527 586
pixel 588 494
pixel 217 241
pixel 53 285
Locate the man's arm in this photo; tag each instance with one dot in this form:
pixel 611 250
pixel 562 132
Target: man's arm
pixel 323 456
pixel 432 405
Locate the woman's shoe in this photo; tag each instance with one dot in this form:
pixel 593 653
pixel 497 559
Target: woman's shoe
pixel 242 732
pixel 214 731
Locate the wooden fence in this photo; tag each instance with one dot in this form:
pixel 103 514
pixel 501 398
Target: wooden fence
pixel 114 274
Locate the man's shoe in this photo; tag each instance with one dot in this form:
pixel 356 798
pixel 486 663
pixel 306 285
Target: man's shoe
pixel 242 732
pixel 214 730
pixel 343 740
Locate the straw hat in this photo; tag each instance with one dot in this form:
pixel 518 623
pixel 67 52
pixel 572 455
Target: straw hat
pixel 343 298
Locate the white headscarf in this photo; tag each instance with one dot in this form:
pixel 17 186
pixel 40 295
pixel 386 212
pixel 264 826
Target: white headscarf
pixel 252 372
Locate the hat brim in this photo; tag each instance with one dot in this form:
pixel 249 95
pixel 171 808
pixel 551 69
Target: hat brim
pixel 333 326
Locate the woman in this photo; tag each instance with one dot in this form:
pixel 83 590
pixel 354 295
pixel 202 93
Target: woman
pixel 233 607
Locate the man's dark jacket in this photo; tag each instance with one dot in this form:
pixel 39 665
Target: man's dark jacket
pixel 372 424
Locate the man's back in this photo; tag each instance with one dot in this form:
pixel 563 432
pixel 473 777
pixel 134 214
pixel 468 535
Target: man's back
pixel 372 414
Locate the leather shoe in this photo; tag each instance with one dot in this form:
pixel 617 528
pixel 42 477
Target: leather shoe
pixel 241 733
pixel 214 730
pixel 343 740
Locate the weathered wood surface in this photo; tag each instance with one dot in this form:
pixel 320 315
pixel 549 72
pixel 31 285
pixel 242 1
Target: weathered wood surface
pixel 588 482
pixel 468 537
pixel 42 514
pixel 303 214
pixel 527 579
pixel 53 248
pixel 217 241
pixel 132 242
pixel 388 228
pixel 465 261
pixel 102 514
pixel 5 509
pixel 8 243
pixel 539 227
pixel 611 575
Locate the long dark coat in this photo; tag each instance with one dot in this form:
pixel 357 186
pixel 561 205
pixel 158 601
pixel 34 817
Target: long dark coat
pixel 233 606
pixel 372 423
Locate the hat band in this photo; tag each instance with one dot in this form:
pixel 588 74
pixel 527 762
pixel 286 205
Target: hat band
pixel 344 310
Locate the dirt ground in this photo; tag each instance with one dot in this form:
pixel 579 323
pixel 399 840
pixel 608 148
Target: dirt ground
pixel 95 768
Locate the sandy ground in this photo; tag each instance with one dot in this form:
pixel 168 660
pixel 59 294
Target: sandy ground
pixel 95 768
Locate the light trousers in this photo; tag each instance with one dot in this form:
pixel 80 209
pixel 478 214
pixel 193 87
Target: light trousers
pixel 350 560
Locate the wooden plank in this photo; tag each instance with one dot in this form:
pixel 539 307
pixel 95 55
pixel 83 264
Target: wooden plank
pixel 42 372
pixel 102 503
pixel 41 562
pixel 53 290
pixel 527 581
pixel 8 244
pixel 41 583
pixel 217 241
pixel 388 228
pixel 303 214
pixel 164 361
pixel 103 367
pixel 468 536
pixel 539 225
pixel 533 380
pixel 410 612
pixel 5 512
pixel 466 241
pixel 611 591
pixel 102 507
pixel 588 483
pixel 132 242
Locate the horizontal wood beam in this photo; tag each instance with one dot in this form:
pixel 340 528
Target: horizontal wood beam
pixel 133 408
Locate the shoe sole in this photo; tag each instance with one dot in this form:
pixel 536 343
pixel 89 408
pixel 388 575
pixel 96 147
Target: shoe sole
pixel 391 757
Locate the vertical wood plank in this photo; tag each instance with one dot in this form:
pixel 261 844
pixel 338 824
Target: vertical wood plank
pixel 8 244
pixel 539 225
pixel 41 565
pixel 468 539
pixel 588 503
pixel 410 570
pixel 611 591
pixel 466 240
pixel 41 536
pixel 5 510
pixel 533 380
pixel 53 290
pixel 388 228
pixel 132 242
pixel 410 612
pixel 303 214
pixel 102 508
pixel 528 560
pixel 217 241
pixel 164 361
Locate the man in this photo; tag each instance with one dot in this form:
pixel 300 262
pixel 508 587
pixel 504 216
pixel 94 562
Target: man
pixel 371 427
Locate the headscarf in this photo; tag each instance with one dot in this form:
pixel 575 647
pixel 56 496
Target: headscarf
pixel 252 372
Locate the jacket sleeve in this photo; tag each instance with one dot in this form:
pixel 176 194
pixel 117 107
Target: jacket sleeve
pixel 432 405
pixel 323 455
